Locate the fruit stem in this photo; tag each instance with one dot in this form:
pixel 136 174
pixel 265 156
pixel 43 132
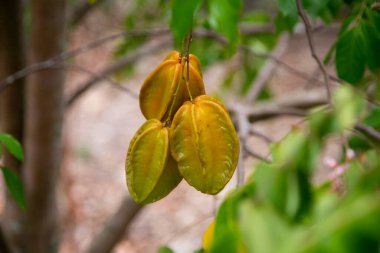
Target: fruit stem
pixel 184 60
pixel 187 80
pixel 168 118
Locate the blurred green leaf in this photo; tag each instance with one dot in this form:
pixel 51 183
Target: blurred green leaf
pixel 353 174
pixel 256 16
pixel 286 189
pixel 128 44
pixel 372 41
pixel 359 142
pixel 287 7
pixel 374 18
pixel 12 145
pixel 352 227
pixel 224 18
pixel 183 12
pixel 226 222
pixel 325 9
pixel 287 150
pixel 285 23
pixel 165 249
pixel 270 230
pixel 350 59
pixel 271 184
pixel 373 118
pixel 14 186
pixel 348 105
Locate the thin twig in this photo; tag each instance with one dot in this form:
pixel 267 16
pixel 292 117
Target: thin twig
pixel 260 135
pixel 369 131
pixel 4 247
pixel 114 228
pixel 243 129
pixel 309 35
pixel 98 77
pixel 255 155
pixel 189 37
pixel 82 9
pixel 121 63
pixel 75 52
pixel 215 36
pixel 96 43
pixel 295 104
pixel 189 227
pixel 267 69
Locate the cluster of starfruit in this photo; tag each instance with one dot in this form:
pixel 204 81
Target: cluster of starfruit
pixel 187 134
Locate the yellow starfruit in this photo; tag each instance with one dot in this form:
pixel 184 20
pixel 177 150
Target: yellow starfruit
pixel 151 172
pixel 204 142
pixel 157 91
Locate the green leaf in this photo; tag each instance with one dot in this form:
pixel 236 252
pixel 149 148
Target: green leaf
pixel 372 43
pixel 263 230
pixel 288 190
pixel 287 7
pixel 373 118
pixel 14 186
pixel 350 59
pixel 348 105
pixel 224 18
pixel 271 185
pixel 226 222
pixel 285 22
pixel 256 16
pixel 165 249
pixel 374 18
pixel 12 145
pixel 183 12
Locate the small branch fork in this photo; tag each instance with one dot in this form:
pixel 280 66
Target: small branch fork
pixel 309 35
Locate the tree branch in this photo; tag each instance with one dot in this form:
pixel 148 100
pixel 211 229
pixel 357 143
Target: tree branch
pixel 260 135
pixel 4 248
pixel 368 131
pixel 309 35
pixel 121 63
pixel 268 68
pixel 96 76
pixel 254 154
pixel 82 9
pixel 243 128
pixel 114 228
pixel 96 43
pixel 295 104
pixel 49 63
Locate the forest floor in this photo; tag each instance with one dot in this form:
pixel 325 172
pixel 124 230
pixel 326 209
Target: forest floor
pixel 97 133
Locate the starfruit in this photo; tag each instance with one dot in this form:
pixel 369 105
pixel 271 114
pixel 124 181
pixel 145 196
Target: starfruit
pixel 151 171
pixel 157 91
pixel 204 142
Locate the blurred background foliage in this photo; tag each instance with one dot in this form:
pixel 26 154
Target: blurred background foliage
pixel 279 208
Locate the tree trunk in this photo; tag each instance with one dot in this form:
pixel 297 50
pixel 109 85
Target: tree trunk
pixel 11 105
pixel 44 113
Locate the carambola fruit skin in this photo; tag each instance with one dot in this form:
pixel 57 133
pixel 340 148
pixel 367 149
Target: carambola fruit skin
pixel 151 172
pixel 204 142
pixel 157 91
